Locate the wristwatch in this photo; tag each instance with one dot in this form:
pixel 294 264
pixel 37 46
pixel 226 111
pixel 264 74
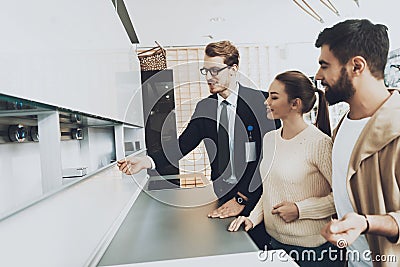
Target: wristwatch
pixel 240 200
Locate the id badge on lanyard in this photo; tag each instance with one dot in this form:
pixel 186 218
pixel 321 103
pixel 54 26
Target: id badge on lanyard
pixel 250 146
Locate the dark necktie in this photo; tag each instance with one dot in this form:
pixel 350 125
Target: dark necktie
pixel 224 166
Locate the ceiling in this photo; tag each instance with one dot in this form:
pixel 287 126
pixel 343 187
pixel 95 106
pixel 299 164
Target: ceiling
pixel 271 22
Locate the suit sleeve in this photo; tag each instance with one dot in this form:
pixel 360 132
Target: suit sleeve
pixel 193 134
pixel 189 139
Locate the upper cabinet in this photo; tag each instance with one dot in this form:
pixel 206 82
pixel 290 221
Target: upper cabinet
pixel 71 54
pixel 60 59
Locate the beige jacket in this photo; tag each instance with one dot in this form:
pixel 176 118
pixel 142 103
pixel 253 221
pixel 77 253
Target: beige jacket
pixel 373 177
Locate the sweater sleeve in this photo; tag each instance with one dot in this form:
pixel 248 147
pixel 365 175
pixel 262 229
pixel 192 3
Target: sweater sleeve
pixel 319 207
pixel 257 214
pixel 316 207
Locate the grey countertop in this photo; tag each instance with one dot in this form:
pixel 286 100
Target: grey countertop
pixel 173 224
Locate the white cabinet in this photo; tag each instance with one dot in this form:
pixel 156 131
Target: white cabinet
pixel 69 53
pixel 63 151
pixel 72 221
pixel 66 57
pixel 70 56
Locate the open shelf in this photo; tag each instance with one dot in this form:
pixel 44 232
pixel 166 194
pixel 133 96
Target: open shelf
pixel 65 140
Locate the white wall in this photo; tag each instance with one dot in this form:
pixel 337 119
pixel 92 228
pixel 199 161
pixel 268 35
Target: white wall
pixel 294 56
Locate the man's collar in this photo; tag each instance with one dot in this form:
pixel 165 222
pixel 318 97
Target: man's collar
pixel 232 98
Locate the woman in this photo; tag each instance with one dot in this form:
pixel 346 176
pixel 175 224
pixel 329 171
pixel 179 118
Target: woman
pixel 297 200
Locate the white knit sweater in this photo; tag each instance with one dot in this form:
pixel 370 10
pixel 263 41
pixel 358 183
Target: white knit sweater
pixel 296 170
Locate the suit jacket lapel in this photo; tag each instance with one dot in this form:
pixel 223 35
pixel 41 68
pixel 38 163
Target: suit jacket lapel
pixel 213 117
pixel 242 112
pixel 209 119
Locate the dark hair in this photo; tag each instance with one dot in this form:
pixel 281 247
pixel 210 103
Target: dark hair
pixel 358 37
pixel 298 85
pixel 223 49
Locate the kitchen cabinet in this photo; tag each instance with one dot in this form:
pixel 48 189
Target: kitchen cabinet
pixel 62 59
pixel 44 148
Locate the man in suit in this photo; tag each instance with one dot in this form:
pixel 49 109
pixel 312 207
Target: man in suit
pixel 231 122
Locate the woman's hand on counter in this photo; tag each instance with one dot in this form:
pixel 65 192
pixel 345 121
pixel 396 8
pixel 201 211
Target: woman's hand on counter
pixel 236 223
pixel 134 165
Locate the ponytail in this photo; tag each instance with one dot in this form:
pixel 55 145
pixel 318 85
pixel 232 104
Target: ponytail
pixel 298 85
pixel 322 121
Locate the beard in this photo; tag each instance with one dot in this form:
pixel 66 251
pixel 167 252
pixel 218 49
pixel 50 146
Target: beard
pixel 341 91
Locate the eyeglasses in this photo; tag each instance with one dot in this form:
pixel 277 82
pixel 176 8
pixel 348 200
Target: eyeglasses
pixel 213 71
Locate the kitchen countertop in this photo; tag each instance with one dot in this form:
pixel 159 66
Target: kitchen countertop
pixel 173 224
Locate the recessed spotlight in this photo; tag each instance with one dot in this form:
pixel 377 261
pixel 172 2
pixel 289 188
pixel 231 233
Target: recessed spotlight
pixel 217 19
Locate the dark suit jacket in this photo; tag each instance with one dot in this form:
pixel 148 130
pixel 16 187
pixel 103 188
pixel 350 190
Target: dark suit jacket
pixel 250 110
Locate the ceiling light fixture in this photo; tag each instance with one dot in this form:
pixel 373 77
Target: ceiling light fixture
pixel 328 4
pixel 308 9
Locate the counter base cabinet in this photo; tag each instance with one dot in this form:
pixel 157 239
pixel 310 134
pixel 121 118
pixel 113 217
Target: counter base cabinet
pixel 71 227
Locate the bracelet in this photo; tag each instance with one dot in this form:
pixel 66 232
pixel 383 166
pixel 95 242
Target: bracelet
pixel 366 220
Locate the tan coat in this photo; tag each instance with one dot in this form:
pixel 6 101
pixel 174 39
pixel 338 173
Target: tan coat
pixel 373 177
